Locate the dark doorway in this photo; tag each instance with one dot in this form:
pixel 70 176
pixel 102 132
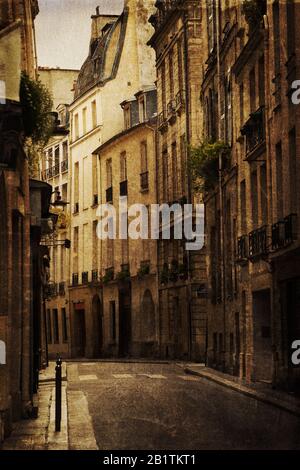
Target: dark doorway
pixel 80 332
pixel 262 341
pixel 97 327
pixel 124 322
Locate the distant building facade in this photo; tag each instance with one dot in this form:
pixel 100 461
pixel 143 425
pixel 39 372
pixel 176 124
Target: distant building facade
pixel 118 66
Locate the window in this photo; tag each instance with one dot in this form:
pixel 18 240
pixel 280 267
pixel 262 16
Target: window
pixel 261 80
pixel 112 313
pixel 65 151
pixel 276 33
pixel 109 252
pixel 95 245
pixel 127 119
pixel 211 16
pixel 180 65
pixel 142 109
pixel 252 88
pixel 263 193
pixel 228 111
pixel 75 249
pixel 50 158
pixel 165 174
pixel 56 156
pixel 64 192
pixel 62 263
pixel 86 184
pixel 94 114
pixel 64 325
pixel 174 170
pixel 76 127
pixel 241 90
pixel 84 111
pixel 243 207
pixel 76 186
pixel 144 157
pixel 171 75
pixel 55 326
pixel 123 166
pixel 95 181
pixel 293 171
pixel 254 199
pixel 279 183
pixel 49 326
pixel 109 173
pixel 163 88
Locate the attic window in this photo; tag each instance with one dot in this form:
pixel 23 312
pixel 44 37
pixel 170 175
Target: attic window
pixel 127 120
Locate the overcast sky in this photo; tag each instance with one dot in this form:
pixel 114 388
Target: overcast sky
pixel 63 30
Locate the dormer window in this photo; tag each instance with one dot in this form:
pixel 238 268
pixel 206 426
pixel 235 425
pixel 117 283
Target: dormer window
pixel 142 109
pixel 127 120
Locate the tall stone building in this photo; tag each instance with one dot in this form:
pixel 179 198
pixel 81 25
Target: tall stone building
pixel 252 56
pixel 118 66
pixel 129 313
pixel 177 42
pixel 17 52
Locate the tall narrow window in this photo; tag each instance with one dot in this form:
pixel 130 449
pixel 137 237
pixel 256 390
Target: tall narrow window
pixel 174 170
pixel 252 88
pixel 293 171
pixel 76 187
pixel 254 199
pixel 64 325
pixel 279 182
pixel 108 173
pixel 123 166
pixel 144 157
pixel 76 127
pixel 49 326
pixel 55 326
pixel 171 75
pixel 165 174
pixel 163 88
pixel 75 249
pixel 180 65
pixel 94 114
pixel 243 207
pixel 50 158
pixel 95 246
pixel 263 193
pixel 95 181
pixel 84 111
pixel 241 92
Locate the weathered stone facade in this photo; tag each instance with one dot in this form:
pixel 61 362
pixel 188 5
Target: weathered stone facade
pixel 16 365
pixel 252 224
pixel 182 285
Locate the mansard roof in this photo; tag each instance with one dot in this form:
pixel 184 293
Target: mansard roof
pixel 104 56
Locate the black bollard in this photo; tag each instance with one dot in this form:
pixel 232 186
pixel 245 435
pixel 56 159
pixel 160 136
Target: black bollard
pixel 58 394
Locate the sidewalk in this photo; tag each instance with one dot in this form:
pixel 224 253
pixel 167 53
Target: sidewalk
pixel 258 391
pixel 39 433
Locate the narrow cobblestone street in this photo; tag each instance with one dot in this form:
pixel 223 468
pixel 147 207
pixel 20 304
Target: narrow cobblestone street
pixel 151 406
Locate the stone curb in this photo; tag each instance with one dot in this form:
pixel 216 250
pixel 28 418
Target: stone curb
pixel 260 396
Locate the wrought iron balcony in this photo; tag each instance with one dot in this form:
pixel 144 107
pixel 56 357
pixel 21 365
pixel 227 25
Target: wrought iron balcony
pixel 162 121
pixel 145 181
pixel 242 248
pixel 109 195
pixel 258 242
pixel 284 232
pixel 85 277
pixel 171 111
pixel 123 188
pixel 75 279
pixel 64 166
pixel 254 130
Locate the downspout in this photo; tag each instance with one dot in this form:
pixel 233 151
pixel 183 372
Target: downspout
pixel 221 202
pixel 189 191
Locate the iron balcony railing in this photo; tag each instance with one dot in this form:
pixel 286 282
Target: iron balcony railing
pixel 179 100
pixel 145 181
pixel 123 188
pixel 284 232
pixel 258 242
pixel 254 130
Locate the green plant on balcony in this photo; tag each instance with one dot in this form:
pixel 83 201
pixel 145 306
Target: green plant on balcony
pixel 108 276
pixel 203 164
pixel 164 274
pixel 253 10
pixel 37 104
pixel 182 271
pixel 123 275
pixel 144 270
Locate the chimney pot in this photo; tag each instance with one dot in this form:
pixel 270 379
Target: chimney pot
pixel 97 11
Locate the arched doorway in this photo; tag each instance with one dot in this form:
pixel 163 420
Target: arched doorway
pixel 97 327
pixel 148 326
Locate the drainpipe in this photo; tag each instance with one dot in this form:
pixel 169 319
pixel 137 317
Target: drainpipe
pixel 221 204
pixel 189 194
